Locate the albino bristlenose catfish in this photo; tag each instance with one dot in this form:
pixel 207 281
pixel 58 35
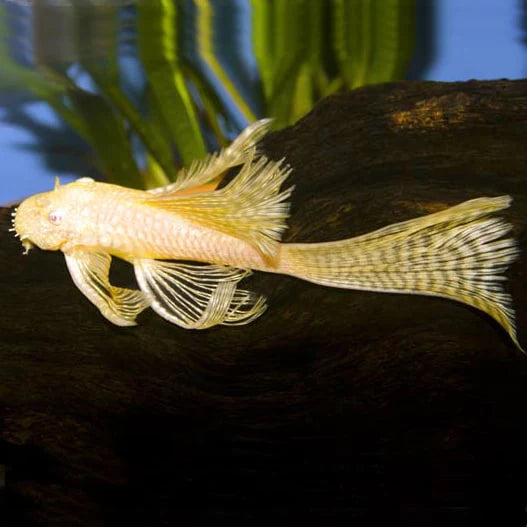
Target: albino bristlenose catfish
pixel 168 234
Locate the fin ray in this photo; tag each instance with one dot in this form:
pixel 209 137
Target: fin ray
pixel 203 171
pixel 196 296
pixel 251 207
pixel 459 253
pixel 90 273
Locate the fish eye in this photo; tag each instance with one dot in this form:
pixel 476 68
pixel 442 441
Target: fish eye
pixel 55 217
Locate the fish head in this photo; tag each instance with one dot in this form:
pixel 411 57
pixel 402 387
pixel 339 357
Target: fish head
pixel 50 219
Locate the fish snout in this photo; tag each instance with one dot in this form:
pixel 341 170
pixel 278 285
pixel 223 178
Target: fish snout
pixel 17 226
pixel 25 224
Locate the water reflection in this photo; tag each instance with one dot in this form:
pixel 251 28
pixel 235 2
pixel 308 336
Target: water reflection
pixel 59 36
pixel 154 84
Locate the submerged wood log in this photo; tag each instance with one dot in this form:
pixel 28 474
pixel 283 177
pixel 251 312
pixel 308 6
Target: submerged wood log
pixel 335 407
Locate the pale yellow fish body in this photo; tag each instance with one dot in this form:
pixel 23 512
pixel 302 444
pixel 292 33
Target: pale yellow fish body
pixel 459 253
pixel 119 221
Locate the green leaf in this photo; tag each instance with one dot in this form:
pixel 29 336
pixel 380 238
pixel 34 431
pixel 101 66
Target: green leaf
pixel 157 40
pixel 289 45
pixel 304 98
pixel 278 50
pixel 154 175
pixel 152 136
pixel 263 46
pixel 349 41
pixel 393 39
pixel 109 138
pixel 212 105
pixel 373 39
pixel 205 45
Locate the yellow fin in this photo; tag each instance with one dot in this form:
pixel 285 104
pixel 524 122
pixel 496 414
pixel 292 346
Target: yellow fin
pixel 196 296
pixel 203 171
pixel 251 207
pixel 89 272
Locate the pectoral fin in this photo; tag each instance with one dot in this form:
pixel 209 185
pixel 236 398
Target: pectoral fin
pixel 197 296
pixel 89 272
pixel 205 171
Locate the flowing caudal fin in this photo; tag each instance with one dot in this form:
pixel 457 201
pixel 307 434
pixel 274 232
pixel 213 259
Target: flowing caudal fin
pixel 459 253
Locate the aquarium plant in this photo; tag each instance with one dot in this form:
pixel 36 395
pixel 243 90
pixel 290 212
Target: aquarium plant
pixel 154 85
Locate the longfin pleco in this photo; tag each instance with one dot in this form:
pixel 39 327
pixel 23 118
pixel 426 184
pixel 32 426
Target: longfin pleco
pixel 203 171
pixel 196 296
pixel 89 272
pixel 251 207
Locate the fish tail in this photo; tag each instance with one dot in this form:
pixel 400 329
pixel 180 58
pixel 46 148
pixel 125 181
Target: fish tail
pixel 460 253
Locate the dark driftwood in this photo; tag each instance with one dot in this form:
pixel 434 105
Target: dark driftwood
pixel 336 407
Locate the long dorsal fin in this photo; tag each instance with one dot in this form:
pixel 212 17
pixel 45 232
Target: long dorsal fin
pixel 197 296
pixel 203 171
pixel 251 207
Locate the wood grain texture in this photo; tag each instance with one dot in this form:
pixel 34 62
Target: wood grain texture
pixel 336 407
